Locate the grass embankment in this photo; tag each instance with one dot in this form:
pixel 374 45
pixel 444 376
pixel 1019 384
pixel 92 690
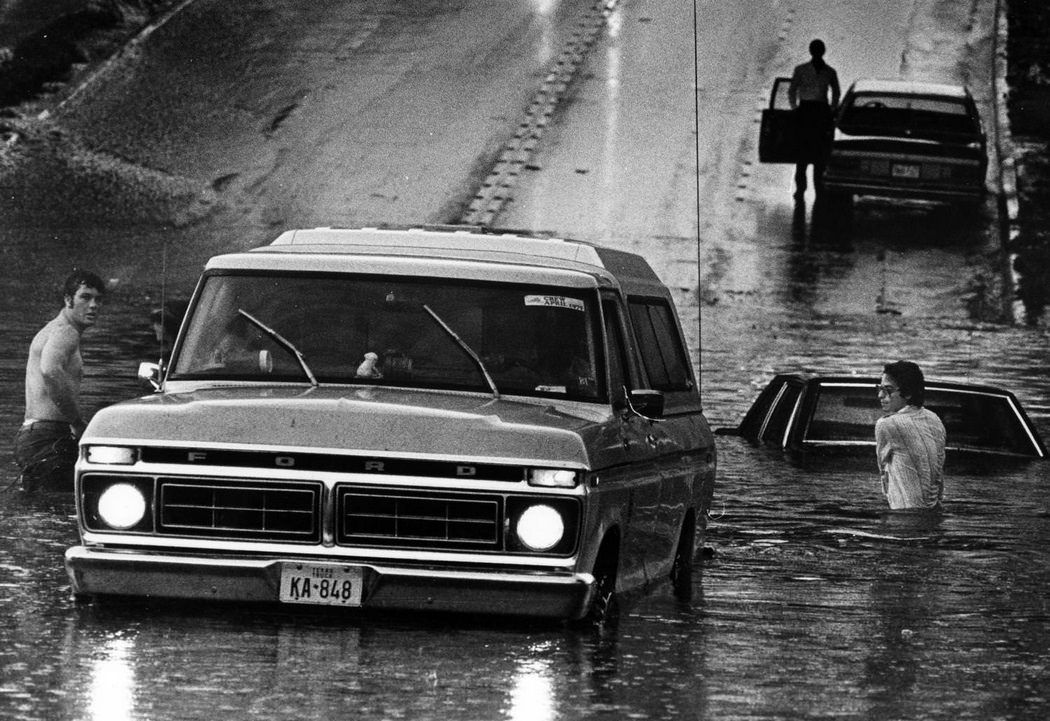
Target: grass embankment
pixel 49 56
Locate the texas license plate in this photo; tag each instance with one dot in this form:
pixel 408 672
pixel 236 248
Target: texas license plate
pixel 905 171
pixel 325 584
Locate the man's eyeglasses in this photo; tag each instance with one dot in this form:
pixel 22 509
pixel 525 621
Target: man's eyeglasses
pixel 888 390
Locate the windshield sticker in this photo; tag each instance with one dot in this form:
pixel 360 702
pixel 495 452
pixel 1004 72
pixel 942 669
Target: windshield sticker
pixel 554 301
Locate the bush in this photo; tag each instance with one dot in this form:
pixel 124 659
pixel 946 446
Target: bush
pixel 48 55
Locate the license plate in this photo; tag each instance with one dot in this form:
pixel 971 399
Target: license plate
pixel 325 584
pixel 905 171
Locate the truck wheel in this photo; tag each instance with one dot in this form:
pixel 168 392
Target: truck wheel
pixel 682 569
pixel 604 607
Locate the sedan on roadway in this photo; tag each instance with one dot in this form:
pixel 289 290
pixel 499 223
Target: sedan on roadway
pixel 908 139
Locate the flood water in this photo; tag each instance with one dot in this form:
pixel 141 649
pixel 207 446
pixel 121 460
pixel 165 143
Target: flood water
pixel 813 601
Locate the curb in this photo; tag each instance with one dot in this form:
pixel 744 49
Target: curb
pixel 1008 204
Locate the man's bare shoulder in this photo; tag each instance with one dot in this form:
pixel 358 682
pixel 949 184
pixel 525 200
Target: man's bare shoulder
pixel 58 333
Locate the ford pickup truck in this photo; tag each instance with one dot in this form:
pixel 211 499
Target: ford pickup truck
pixel 406 418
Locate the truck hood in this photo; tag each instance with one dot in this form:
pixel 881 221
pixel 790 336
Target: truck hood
pixel 366 420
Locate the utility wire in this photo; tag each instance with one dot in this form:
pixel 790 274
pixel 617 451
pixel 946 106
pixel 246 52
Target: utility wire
pixel 696 135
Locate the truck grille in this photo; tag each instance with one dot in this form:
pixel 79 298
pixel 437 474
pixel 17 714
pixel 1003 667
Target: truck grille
pixel 261 511
pixel 361 516
pixel 418 520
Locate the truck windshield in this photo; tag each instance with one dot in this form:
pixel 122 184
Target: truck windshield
pixel 353 329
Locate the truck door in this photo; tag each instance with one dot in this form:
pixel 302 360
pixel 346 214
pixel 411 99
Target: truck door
pixel 682 443
pixel 630 492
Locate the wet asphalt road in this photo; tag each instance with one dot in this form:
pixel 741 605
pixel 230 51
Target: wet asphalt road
pixel 815 602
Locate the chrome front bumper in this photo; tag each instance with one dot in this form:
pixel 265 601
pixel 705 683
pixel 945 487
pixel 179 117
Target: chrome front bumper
pixel 106 572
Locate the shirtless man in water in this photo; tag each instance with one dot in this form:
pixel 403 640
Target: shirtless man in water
pixel 46 444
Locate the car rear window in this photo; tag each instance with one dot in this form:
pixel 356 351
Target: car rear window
pixel 980 421
pixel 973 420
pixel 889 114
pixel 844 413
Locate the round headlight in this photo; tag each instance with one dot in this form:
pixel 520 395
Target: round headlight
pixel 121 506
pixel 540 528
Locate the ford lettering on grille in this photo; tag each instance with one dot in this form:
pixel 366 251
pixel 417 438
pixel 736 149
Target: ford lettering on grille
pixel 331 463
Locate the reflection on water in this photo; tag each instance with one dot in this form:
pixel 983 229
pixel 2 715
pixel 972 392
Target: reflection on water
pixel 112 692
pixel 532 697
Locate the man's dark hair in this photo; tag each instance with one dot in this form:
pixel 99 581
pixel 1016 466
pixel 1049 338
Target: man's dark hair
pixel 817 49
pixel 909 379
pixel 81 277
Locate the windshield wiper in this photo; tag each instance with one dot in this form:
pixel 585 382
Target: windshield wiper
pixel 282 341
pixel 463 344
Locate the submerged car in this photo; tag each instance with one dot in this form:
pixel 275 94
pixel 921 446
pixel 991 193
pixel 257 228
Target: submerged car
pixel 908 139
pixel 411 419
pixel 814 415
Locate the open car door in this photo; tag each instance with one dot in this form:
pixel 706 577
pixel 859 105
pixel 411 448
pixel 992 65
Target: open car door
pixel 776 140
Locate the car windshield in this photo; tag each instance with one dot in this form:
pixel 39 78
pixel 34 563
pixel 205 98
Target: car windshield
pixel 423 333
pixel 932 118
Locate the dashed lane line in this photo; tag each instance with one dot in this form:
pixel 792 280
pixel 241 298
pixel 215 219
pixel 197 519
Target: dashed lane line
pixel 497 187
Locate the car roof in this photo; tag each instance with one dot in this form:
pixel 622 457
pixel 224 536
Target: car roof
pixel 828 379
pixel 428 244
pixel 809 382
pixel 908 87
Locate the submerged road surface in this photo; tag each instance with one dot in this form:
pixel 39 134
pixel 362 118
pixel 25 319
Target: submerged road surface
pixel 233 121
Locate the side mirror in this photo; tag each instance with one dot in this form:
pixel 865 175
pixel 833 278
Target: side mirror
pixel 646 403
pixel 149 375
